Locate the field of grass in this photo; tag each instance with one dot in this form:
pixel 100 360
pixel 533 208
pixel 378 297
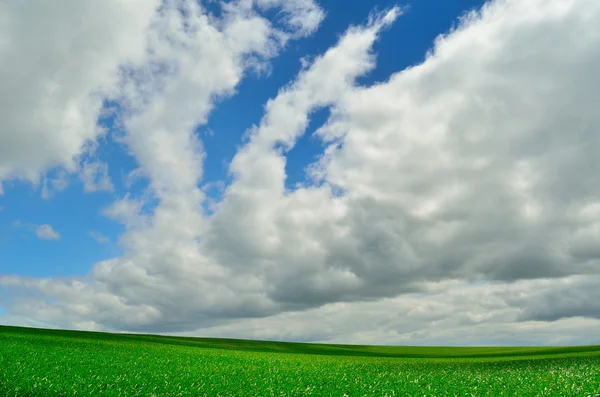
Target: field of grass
pixel 35 362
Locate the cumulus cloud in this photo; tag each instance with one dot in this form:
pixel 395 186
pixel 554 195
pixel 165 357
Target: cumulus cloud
pixel 46 232
pixel 471 165
pixel 457 198
pixel 126 211
pixel 52 93
pixel 461 314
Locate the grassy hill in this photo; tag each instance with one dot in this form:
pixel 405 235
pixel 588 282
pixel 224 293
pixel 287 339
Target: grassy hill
pixel 312 348
pixel 41 362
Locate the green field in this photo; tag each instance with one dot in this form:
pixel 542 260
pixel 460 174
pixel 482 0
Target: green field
pixel 35 362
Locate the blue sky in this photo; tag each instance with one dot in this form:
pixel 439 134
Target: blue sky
pixel 434 168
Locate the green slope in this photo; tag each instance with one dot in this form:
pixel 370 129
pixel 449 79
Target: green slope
pixel 313 348
pixel 54 363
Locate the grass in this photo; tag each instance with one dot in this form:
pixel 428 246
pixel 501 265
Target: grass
pixel 37 362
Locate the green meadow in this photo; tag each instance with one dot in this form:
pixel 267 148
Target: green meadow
pixel 39 362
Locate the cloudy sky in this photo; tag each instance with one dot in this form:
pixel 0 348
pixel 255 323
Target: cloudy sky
pixel 421 172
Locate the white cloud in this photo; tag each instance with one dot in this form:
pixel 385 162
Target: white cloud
pixel 100 239
pixel 257 220
pixel 132 177
pixel 56 184
pixel 94 176
pixel 46 232
pixel 58 62
pixel 471 165
pixel 301 16
pixel 452 201
pixel 162 249
pixel 43 231
pixel 126 211
pixel 462 314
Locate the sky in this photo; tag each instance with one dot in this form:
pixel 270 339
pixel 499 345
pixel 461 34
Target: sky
pixel 373 172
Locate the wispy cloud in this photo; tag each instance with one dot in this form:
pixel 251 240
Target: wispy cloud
pixel 56 184
pixel 42 231
pixel 95 178
pixel 100 239
pixel 46 232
